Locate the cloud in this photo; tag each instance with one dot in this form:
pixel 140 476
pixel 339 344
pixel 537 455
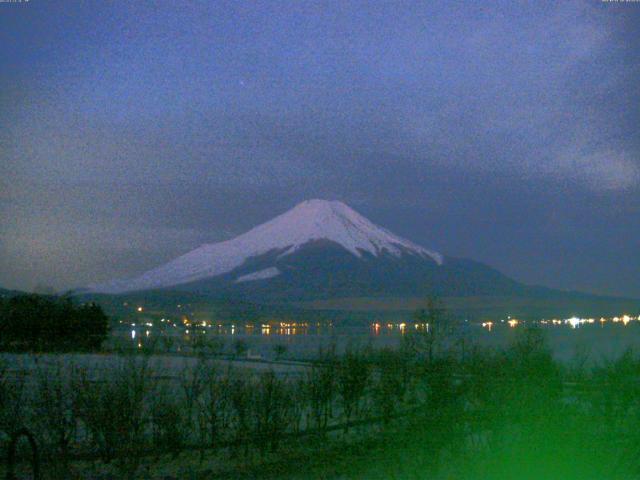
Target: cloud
pixel 64 254
pixel 601 170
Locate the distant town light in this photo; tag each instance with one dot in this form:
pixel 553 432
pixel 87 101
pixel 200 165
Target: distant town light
pixel 574 322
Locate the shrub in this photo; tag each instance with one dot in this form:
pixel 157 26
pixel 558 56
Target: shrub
pixel 391 383
pixel 12 411
pixel 170 422
pixel 279 350
pixel 353 373
pixel 271 408
pixel 320 391
pixel 240 399
pixel 215 405
pixel 53 409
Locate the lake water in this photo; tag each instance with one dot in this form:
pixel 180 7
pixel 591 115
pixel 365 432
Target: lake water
pixel 597 341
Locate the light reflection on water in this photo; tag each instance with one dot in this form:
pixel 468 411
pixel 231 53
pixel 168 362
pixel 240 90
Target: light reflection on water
pixel 374 329
pixel 601 339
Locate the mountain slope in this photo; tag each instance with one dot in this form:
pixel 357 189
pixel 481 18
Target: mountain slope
pixel 323 269
pixel 319 250
pixel 308 222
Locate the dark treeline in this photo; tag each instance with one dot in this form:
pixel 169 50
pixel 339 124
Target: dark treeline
pixel 430 409
pixel 48 323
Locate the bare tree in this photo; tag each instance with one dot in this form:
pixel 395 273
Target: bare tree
pixel 241 397
pixel 193 380
pixel 114 409
pixel 271 410
pixel 320 391
pixel 436 329
pixel 392 381
pixel 215 405
pixel 53 409
pixel 170 422
pixel 353 374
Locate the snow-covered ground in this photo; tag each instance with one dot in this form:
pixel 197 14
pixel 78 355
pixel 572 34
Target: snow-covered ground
pixel 167 367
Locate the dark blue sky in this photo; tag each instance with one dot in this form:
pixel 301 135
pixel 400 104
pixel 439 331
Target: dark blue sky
pixel 507 132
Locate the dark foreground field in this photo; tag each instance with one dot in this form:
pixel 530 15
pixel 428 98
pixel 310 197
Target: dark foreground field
pixel 419 411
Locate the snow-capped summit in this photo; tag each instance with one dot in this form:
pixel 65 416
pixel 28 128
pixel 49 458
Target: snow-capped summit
pixel 308 222
pixel 334 221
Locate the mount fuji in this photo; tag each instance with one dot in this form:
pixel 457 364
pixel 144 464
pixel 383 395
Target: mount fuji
pixel 318 249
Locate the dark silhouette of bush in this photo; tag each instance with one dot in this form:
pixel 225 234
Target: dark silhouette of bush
pixel 353 374
pixel 320 386
pixel 392 383
pixel 43 323
pixel 279 350
pixel 240 348
pixel 12 401
pixel 241 397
